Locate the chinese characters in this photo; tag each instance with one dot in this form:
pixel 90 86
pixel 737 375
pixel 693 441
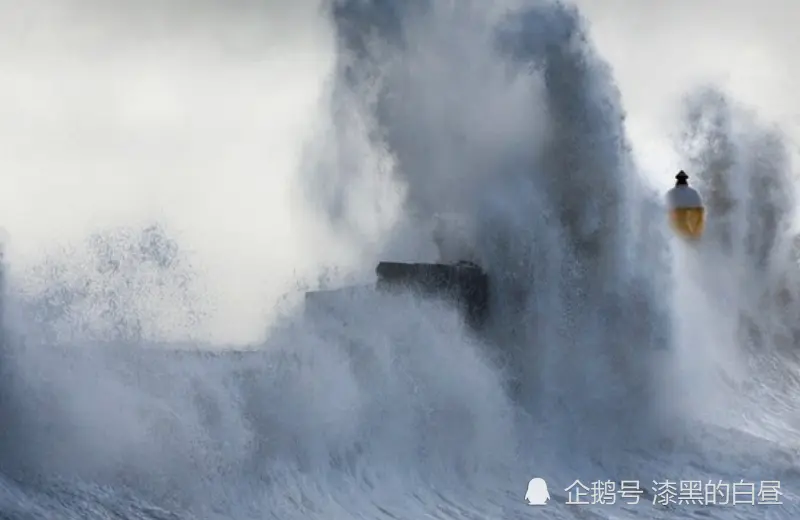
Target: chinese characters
pixel 681 492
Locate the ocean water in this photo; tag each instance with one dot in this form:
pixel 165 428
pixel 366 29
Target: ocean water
pixel 617 356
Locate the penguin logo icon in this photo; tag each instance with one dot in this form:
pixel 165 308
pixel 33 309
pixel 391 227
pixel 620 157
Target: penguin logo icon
pixel 537 494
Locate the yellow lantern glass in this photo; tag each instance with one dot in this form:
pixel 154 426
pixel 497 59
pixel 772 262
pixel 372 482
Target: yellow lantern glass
pixel 686 210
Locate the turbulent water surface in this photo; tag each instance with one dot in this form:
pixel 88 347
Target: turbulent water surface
pixel 615 352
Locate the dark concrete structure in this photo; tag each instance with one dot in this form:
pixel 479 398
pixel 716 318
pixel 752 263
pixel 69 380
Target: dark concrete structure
pixel 464 284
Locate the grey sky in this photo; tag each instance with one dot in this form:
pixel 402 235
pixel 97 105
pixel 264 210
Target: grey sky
pixel 660 49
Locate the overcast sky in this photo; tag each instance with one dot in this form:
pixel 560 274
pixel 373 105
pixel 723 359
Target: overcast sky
pixel 660 49
pixel 192 111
